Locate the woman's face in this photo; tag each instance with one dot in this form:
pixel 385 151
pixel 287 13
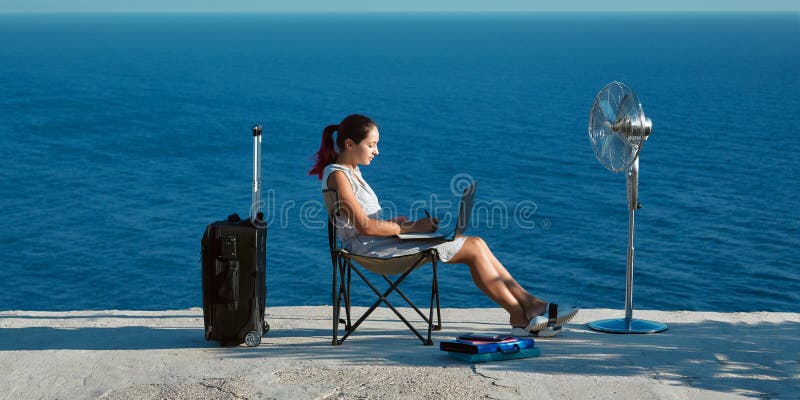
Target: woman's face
pixel 364 151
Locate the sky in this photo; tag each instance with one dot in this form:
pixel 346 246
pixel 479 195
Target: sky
pixel 324 6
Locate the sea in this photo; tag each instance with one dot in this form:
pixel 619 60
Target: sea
pixel 123 135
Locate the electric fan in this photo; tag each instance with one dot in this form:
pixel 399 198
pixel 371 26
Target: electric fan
pixel 617 130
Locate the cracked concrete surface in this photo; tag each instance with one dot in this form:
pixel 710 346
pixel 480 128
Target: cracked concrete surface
pixel 117 355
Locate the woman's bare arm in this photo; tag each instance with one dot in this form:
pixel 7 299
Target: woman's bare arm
pixel 365 225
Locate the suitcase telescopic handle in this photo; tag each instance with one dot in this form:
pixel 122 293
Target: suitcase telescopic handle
pixel 255 206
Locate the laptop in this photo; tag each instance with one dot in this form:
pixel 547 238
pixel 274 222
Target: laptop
pixel 464 213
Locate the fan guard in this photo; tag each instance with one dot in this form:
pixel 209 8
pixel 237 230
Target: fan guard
pixel 617 126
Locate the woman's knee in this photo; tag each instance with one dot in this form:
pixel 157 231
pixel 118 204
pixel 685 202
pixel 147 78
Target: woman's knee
pixel 477 247
pixel 470 251
pixel 478 244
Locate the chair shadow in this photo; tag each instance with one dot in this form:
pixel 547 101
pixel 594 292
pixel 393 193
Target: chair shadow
pixel 711 355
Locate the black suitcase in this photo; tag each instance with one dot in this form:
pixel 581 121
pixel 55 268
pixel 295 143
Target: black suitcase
pixel 233 256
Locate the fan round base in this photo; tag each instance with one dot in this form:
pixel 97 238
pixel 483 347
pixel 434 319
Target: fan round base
pixel 623 325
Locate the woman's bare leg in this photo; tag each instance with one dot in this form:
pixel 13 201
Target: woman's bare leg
pixel 493 281
pixel 532 304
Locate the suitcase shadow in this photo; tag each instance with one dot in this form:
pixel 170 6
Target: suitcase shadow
pixel 112 338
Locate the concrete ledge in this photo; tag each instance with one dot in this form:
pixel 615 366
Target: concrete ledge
pixel 162 354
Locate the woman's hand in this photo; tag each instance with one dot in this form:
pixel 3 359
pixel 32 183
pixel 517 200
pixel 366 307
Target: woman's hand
pixel 405 224
pixel 399 220
pixel 423 225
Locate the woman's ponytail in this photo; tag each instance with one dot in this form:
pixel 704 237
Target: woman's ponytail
pixel 327 152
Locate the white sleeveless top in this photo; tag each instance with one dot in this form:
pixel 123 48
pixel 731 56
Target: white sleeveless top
pixel 378 246
pixel 364 194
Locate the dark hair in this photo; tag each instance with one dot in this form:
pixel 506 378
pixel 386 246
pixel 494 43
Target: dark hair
pixel 354 127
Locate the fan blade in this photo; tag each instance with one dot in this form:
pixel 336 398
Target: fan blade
pixel 625 107
pixel 607 109
pixel 611 104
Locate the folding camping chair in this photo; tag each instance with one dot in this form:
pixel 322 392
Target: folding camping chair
pixel 344 263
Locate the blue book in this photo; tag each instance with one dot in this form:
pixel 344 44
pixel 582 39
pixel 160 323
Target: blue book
pixel 478 358
pixel 482 348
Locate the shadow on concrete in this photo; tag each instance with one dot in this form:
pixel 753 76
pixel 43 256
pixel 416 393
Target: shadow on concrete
pixel 756 359
pixel 711 355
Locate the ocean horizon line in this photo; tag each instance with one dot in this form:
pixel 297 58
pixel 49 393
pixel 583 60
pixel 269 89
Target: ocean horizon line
pixel 4 312
pixel 409 13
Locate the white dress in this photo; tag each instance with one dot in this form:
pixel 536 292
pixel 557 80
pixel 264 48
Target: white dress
pixel 379 246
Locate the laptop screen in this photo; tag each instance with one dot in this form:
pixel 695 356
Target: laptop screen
pixel 465 209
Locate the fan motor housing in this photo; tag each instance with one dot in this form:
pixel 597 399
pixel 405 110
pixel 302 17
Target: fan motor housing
pixel 627 127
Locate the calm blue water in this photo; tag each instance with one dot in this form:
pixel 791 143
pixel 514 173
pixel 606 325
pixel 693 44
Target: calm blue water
pixel 123 136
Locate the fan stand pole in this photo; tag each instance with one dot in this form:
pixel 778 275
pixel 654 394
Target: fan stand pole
pixel 629 324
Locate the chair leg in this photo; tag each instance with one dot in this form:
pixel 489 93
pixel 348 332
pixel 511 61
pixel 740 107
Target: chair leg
pixel 438 326
pixel 347 296
pixel 433 298
pixel 336 297
pixel 341 293
pixel 344 295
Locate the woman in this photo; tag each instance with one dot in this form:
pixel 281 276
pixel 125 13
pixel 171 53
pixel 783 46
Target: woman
pixel 363 231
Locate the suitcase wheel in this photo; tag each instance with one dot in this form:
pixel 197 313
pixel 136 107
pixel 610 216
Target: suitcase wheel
pixel 252 339
pixel 265 328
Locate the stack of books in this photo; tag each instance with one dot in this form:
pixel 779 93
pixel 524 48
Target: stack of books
pixel 475 348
